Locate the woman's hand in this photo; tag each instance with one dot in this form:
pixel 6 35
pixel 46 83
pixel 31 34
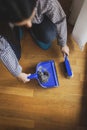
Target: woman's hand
pixel 23 77
pixel 65 50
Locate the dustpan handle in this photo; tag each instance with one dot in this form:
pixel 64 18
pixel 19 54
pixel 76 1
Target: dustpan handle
pixel 33 76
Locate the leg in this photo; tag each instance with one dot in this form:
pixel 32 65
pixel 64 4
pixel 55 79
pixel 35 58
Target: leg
pixel 16 46
pixel 13 36
pixel 44 33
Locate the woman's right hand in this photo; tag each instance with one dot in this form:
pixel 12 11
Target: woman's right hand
pixel 23 77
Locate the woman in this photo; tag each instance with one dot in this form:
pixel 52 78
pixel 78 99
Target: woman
pixel 46 21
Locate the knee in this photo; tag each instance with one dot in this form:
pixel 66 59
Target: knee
pixel 49 37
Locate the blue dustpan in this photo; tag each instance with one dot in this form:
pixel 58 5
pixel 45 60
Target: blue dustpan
pixel 68 67
pixel 46 74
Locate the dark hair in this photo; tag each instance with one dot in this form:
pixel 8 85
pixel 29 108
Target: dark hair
pixel 16 10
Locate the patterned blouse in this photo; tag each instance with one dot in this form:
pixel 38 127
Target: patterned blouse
pixel 53 10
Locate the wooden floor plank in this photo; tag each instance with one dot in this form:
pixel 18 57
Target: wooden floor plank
pixel 31 107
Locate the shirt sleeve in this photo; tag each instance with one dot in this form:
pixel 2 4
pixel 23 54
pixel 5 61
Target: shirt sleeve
pixel 8 57
pixel 56 14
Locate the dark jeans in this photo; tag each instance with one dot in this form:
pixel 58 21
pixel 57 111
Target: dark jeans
pixel 16 46
pixel 12 35
pixel 17 50
pixel 45 31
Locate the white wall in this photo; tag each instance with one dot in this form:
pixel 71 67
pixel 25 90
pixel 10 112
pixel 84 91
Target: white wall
pixel 79 32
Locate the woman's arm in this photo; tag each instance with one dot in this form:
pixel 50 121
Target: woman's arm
pixel 56 14
pixel 8 57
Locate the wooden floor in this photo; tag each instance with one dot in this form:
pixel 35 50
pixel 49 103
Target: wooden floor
pixel 31 107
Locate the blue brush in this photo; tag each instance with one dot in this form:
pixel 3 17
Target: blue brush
pixel 67 67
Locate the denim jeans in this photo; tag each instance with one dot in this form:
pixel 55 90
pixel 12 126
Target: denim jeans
pixel 17 46
pixel 44 32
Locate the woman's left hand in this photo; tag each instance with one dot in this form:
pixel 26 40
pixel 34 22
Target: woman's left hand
pixel 65 50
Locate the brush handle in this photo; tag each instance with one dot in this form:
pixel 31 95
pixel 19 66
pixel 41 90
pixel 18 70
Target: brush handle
pixel 33 76
pixel 67 66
